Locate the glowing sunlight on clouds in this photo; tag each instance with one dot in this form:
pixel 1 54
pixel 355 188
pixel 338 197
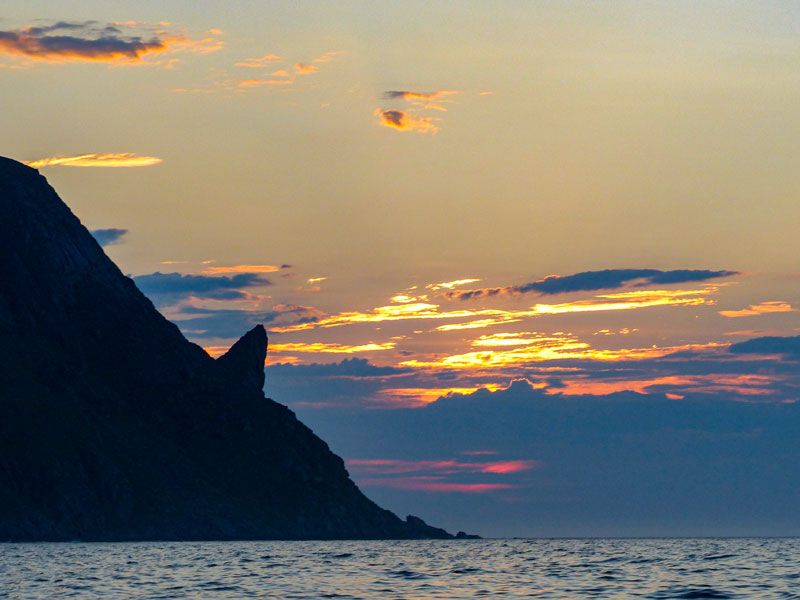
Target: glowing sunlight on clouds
pixel 125 159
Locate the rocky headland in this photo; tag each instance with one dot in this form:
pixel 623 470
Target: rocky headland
pixel 113 426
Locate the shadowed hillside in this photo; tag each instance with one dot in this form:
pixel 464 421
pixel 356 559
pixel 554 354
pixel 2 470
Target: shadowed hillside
pixel 114 427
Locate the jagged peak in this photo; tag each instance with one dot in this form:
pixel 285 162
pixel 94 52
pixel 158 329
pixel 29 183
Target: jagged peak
pixel 244 361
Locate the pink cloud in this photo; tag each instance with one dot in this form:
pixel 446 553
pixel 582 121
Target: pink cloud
pixel 446 467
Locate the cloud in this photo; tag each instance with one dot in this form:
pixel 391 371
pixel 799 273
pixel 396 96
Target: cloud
pixel 427 484
pixel 431 474
pixel 595 280
pixel 402 121
pixel 319 347
pixel 254 63
pixel 595 452
pixel 108 237
pixel 348 367
pixel 328 56
pixel 768 345
pixel 249 83
pixel 759 309
pixel 303 69
pixel 173 286
pixel 125 159
pixel 410 309
pixel 446 467
pixel 426 100
pixel 450 284
pixel 92 41
pixel 244 269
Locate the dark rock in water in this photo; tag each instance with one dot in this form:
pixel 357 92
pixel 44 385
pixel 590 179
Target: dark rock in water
pixel 461 535
pixel 114 427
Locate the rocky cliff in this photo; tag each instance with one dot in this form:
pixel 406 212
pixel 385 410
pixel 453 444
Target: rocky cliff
pixel 114 427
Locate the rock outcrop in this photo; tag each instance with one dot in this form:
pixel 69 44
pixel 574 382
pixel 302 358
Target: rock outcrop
pixel 114 427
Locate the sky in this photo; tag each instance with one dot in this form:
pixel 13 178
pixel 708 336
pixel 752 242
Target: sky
pixel 530 268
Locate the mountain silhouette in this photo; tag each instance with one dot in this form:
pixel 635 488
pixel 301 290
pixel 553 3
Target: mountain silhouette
pixel 114 427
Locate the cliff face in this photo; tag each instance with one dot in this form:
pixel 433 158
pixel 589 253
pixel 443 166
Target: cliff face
pixel 114 427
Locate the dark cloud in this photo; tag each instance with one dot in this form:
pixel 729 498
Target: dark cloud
pixel 395 117
pixel 622 464
pixel 86 26
pixel 173 286
pixel 222 323
pixel 231 323
pixel 587 281
pixel 768 345
pixel 77 41
pixel 108 237
pixel 349 367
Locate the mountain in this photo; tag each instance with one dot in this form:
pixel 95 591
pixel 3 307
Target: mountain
pixel 114 427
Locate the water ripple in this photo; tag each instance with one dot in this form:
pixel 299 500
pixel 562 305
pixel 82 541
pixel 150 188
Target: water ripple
pixel 657 569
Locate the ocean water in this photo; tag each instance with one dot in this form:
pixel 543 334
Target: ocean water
pixel 591 568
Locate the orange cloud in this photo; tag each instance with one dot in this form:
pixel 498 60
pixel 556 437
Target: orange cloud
pixel 626 301
pixel 244 269
pixel 545 349
pixel 759 309
pixel 281 73
pixel 248 83
pixel 425 310
pixel 255 63
pixel 126 159
pixel 397 119
pixel 302 69
pixel 477 324
pixel 328 56
pixel 450 284
pixel 90 41
pixel 318 347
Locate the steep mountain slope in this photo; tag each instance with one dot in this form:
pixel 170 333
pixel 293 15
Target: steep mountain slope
pixel 114 427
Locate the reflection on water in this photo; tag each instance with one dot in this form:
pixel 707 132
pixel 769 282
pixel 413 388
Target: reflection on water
pixel 614 568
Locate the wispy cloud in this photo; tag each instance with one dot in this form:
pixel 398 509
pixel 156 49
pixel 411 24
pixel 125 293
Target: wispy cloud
pixel 328 56
pixel 548 348
pixel 403 310
pixel 595 280
pixel 250 83
pixel 125 159
pixel 443 467
pixel 759 309
pixel 245 269
pixel 318 347
pixel 256 63
pixel 425 100
pixel 450 284
pixel 432 475
pixel 123 42
pixel 402 121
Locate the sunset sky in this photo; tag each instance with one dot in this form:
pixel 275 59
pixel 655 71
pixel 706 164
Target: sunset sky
pixel 507 253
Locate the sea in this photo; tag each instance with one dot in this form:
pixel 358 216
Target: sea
pixel 452 569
